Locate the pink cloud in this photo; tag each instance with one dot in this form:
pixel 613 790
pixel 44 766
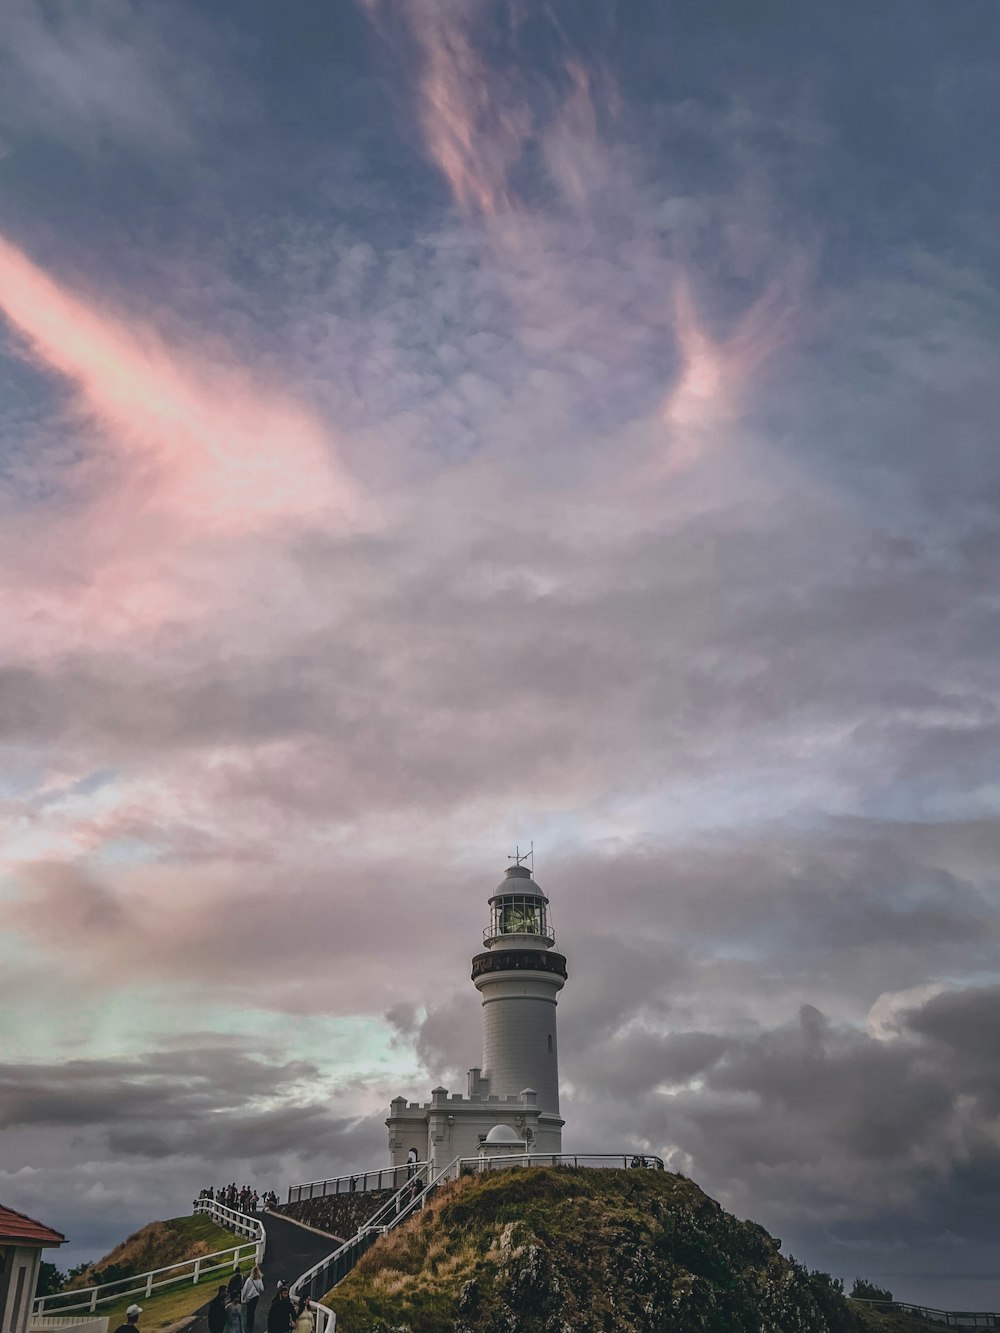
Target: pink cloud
pixel 708 392
pixel 216 449
pixel 182 451
pixel 474 138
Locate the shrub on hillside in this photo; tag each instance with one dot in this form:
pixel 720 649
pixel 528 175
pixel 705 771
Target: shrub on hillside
pixel 863 1290
pixel 50 1280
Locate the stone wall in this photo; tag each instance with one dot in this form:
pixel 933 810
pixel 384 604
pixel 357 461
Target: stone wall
pixel 339 1215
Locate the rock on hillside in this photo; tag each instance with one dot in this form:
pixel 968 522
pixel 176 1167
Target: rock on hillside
pixel 547 1250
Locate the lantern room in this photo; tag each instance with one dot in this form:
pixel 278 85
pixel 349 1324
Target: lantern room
pixel 518 911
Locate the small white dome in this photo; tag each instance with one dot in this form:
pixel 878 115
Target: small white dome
pixel 503 1134
pixel 517 880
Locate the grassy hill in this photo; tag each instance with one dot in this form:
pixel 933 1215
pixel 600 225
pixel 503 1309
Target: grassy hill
pixel 157 1245
pixel 177 1240
pixel 592 1251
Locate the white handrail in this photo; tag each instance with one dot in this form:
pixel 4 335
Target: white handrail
pixel 244 1224
pixel 649 1161
pixel 326 1319
pixel 949 1318
pixel 354 1182
pixel 197 1267
pixel 396 1209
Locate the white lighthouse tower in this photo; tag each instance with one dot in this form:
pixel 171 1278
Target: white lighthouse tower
pixel 519 975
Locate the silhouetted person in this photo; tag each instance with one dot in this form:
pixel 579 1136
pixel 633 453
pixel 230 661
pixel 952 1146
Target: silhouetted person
pixel 235 1285
pixel 280 1315
pixel 217 1311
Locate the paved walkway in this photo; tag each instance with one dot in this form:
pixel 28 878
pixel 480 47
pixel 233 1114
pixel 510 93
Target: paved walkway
pixel 290 1250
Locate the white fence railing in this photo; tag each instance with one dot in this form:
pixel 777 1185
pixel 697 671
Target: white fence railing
pixel 319 1279
pixel 244 1224
pixel 78 1323
pixel 413 1195
pixel 188 1270
pixel 326 1319
pixel 361 1182
pixel 947 1318
pixel 615 1161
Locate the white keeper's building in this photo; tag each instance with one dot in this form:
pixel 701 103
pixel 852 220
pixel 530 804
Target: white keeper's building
pixel 512 1100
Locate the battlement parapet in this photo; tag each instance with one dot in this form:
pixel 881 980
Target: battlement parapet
pixel 444 1100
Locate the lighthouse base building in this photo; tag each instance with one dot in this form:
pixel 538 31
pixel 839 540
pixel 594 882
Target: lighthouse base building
pixel 511 1103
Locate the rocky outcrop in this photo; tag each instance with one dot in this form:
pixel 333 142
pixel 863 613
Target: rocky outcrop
pixel 549 1251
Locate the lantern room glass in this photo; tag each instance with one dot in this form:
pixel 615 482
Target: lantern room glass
pixel 517 914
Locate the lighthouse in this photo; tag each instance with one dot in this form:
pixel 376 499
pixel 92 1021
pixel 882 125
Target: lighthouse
pixel 518 975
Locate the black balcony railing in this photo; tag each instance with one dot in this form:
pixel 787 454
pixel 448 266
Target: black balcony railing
pixel 519 960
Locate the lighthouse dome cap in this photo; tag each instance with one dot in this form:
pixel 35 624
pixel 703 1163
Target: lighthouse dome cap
pixel 503 1134
pixel 517 879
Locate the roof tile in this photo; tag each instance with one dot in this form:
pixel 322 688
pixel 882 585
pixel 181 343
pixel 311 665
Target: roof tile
pixel 24 1230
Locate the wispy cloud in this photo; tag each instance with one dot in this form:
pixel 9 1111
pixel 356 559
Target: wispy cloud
pixel 212 446
pixel 182 448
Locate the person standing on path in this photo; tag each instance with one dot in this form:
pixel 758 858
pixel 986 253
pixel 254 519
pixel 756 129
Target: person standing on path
pixel 131 1320
pixel 217 1311
pixel 234 1316
pixel 253 1289
pixel 235 1284
pixel 303 1317
pixel 279 1317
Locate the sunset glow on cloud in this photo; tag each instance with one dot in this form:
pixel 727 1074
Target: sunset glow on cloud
pixel 213 449
pixel 474 141
pixel 429 426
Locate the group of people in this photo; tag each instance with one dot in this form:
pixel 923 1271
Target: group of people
pixel 234 1308
pixel 245 1200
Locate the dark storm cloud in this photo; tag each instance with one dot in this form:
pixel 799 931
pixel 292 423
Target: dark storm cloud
pixel 813 1126
pixel 257 1135
pixel 188 1085
pixel 134 1139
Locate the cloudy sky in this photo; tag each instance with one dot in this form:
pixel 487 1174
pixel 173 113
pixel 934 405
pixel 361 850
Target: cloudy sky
pixel 427 425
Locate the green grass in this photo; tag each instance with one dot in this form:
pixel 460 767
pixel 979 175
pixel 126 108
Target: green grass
pixel 169 1304
pixel 179 1240
pixel 200 1227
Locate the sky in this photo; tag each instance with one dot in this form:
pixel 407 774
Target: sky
pixel 427 427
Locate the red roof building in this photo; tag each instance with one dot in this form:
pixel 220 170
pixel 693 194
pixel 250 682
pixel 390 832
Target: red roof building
pixel 22 1240
pixel 17 1229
